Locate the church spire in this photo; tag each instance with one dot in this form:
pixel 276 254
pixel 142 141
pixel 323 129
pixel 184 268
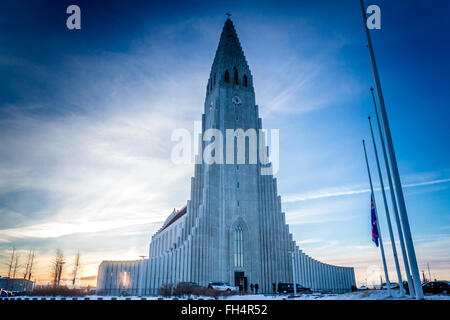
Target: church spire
pixel 230 64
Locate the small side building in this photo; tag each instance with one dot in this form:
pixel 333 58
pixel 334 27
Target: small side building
pixel 16 285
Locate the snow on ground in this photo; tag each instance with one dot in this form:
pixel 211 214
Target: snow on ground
pixel 358 295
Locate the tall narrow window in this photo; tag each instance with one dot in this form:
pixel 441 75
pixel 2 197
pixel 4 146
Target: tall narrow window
pixel 245 81
pixel 236 76
pixel 227 76
pixel 238 247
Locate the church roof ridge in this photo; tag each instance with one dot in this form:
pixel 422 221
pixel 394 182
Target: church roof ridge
pixel 174 216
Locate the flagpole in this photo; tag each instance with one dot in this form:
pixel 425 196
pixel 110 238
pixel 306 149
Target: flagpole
pixel 388 217
pixel 394 202
pixel 388 283
pixel 395 173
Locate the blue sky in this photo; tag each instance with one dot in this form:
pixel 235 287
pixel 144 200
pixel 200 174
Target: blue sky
pixel 86 118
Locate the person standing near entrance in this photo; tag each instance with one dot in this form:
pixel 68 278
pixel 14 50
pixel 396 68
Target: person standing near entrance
pixel 256 288
pixel 238 284
pixel 251 287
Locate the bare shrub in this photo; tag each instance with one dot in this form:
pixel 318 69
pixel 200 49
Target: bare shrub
pixel 165 290
pixel 57 291
pixel 184 289
pixel 210 292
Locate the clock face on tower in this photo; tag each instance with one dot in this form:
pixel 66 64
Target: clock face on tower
pixel 236 100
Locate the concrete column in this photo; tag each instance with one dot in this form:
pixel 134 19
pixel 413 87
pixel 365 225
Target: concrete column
pixel 105 276
pixel 353 277
pixel 189 260
pixel 349 286
pixel 316 282
pixel 149 277
pixel 159 266
pixel 127 267
pixel 303 268
pixel 319 269
pixel 330 279
pixel 174 256
pixel 316 274
pixel 120 277
pixel 338 279
pixel 270 232
pixel 322 271
pixel 177 266
pixel 273 231
pixel 201 263
pixel 165 268
pixel 111 278
pixel 103 279
pixel 162 270
pixel 344 278
pixel 142 268
pixel 309 268
pixel 170 256
pixel 333 275
pixel 172 267
pixel 195 257
pixel 344 285
pixel 116 277
pixel 320 265
pixel 182 263
pixel 315 279
pixel 310 273
pixel 154 275
pixel 265 245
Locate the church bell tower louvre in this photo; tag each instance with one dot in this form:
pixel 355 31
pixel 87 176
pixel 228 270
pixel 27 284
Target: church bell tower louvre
pixel 232 229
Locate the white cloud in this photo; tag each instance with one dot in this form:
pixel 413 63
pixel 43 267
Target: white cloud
pixel 103 163
pixel 345 191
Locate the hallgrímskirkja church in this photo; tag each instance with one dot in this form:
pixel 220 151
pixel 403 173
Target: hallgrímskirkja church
pixel 232 229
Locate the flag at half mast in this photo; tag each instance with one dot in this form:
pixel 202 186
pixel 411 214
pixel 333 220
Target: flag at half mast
pixel 375 233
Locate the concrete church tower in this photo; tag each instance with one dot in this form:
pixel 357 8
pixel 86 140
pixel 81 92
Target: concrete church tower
pixel 232 228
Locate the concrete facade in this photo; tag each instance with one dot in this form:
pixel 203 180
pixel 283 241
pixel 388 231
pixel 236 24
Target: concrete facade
pixel 232 228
